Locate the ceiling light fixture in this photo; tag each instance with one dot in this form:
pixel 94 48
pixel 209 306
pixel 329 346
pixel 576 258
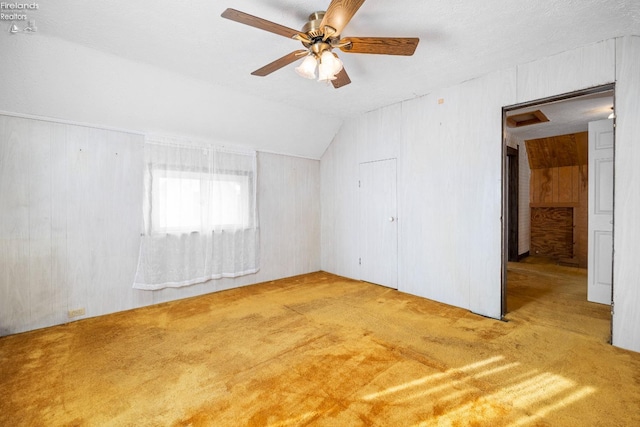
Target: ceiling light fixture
pixel 328 65
pixel 308 67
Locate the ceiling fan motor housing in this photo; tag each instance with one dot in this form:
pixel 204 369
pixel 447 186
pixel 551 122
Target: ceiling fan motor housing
pixel 312 27
pixel 318 40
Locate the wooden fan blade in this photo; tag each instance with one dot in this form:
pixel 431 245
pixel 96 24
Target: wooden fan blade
pixel 279 63
pixel 342 79
pixel 338 15
pixel 263 24
pixel 380 45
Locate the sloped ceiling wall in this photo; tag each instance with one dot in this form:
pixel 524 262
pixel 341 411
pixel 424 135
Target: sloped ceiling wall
pixel 558 151
pixel 53 78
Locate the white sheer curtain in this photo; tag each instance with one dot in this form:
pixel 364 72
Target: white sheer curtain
pixel 200 214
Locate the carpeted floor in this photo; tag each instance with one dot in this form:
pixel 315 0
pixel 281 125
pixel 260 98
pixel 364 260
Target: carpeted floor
pixel 323 350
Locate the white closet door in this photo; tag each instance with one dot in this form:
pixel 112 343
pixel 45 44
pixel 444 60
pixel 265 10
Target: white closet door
pixel 600 259
pixel 379 223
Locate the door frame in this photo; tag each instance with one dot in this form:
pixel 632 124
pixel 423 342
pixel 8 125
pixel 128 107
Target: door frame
pixel 610 87
pixel 513 193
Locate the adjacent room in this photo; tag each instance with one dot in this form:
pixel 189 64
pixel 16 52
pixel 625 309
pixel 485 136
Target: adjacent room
pixel 332 212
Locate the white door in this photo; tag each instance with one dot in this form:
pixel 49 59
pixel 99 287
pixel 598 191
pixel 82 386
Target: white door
pixel 600 241
pixel 378 223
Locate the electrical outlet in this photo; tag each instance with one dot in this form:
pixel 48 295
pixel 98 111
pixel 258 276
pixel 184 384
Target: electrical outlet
pixel 75 313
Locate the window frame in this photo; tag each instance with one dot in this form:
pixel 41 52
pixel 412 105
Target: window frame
pixel 248 223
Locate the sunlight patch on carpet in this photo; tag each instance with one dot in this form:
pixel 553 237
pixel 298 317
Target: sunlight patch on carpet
pixel 469 393
pixel 431 378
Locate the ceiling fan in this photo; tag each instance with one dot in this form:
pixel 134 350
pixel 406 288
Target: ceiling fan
pixel 320 35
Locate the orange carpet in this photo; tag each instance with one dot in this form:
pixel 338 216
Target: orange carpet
pixel 323 350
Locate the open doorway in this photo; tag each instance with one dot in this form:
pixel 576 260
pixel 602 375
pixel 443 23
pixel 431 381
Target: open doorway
pixel 546 212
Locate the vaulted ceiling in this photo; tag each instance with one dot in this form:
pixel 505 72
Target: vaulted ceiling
pixel 283 112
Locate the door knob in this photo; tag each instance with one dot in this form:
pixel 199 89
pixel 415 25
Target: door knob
pixel 391 219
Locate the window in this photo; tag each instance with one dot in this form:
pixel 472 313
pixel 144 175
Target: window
pixel 184 202
pixel 200 216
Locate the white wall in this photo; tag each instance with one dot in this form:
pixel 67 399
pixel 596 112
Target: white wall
pixel 450 180
pixel 449 166
pixel 582 68
pixel 70 215
pixel 374 136
pixel 70 222
pixel 289 206
pixel 50 77
pixel 626 232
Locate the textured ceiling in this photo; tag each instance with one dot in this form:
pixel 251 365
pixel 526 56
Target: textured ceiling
pixel 459 40
pixel 566 116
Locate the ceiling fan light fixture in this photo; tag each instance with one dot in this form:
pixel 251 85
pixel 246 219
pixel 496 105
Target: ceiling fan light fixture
pixel 325 77
pixel 320 35
pixel 330 65
pixel 308 67
pixel 337 64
